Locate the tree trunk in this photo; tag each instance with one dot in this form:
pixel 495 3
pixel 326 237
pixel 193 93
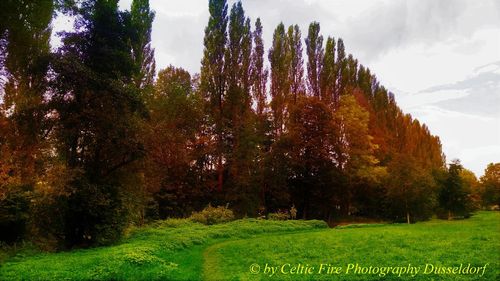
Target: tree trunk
pixel 263 195
pixel 407 211
pixel 449 215
pixel 220 172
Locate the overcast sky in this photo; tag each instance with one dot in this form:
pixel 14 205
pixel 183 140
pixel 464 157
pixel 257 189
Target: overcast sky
pixel 441 58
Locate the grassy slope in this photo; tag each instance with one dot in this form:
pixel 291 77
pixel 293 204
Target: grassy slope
pixel 445 243
pixel 170 250
pixel 181 250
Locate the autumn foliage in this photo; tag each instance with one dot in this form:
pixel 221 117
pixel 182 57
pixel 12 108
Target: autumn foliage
pixel 92 141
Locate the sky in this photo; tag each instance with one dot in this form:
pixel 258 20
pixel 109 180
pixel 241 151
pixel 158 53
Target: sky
pixel 440 58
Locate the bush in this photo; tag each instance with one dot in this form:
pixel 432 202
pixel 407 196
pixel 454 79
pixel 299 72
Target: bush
pixel 213 215
pixel 47 220
pixel 279 216
pixel 96 214
pixel 14 212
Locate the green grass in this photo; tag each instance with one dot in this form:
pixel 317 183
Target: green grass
pixel 182 250
pixel 168 250
pixel 441 243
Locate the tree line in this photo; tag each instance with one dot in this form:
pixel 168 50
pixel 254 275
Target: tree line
pixel 92 140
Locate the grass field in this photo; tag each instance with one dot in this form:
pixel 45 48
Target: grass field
pixel 250 249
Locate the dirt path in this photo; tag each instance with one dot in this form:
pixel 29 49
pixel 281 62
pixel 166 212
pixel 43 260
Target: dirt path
pixel 211 264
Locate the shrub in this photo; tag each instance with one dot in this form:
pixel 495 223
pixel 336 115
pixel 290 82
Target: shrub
pixel 14 212
pixel 141 256
pixel 47 220
pixel 96 214
pixel 279 216
pixel 213 215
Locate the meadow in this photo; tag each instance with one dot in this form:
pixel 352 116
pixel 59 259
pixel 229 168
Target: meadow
pixel 252 249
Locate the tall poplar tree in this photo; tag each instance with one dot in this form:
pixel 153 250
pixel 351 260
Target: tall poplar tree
pixel 314 43
pixel 340 69
pixel 296 67
pixel 259 81
pixel 213 78
pixel 280 85
pixel 141 22
pixel 237 63
pixel 328 74
pixel 24 59
pixel 246 61
pixel 240 148
pixel 259 72
pixel 26 35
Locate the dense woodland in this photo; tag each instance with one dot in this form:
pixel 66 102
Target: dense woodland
pixel 93 139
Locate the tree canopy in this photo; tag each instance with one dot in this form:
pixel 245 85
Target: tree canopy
pixel 93 139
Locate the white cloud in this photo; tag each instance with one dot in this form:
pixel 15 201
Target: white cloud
pixel 414 101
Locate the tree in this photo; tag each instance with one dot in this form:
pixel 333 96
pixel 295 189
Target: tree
pixel 24 123
pixel 262 141
pixel 99 110
pixel 353 149
pixel 453 196
pixel 328 74
pixel 280 85
pixel 340 69
pixel 26 35
pixel 6 14
pixel 259 73
pixel 351 71
pixel 89 142
pixel 314 43
pixel 312 134
pixel 238 69
pixel 141 21
pixel 240 133
pixel 472 188
pixel 296 70
pixel 490 182
pixel 356 142
pixel 170 137
pixel 213 78
pixel 410 190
